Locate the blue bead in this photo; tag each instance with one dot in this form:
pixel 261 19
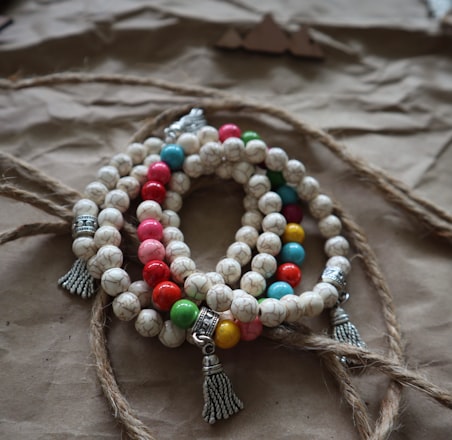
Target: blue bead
pixel 292 253
pixel 173 155
pixel 288 194
pixel 279 289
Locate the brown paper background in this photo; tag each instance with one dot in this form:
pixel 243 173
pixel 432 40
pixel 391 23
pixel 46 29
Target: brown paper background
pixel 384 89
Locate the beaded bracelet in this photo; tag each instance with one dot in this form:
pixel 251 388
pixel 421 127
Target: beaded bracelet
pixel 174 300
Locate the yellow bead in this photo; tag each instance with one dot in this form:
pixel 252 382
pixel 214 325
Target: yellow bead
pixel 293 233
pixel 227 334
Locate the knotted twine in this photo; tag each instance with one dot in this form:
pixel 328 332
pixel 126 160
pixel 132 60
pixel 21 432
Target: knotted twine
pixel 56 199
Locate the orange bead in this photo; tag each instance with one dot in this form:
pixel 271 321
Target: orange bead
pixel 293 233
pixel 227 334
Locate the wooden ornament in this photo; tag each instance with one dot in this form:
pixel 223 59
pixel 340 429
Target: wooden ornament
pixel 231 39
pixel 302 45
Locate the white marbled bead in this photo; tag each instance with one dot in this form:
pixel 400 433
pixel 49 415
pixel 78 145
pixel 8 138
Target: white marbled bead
pixel 170 218
pixel 153 145
pixel 341 262
pixel 253 283
pixel 207 134
pixel 211 154
pixel 224 170
pixel 328 293
pixel 94 268
pixel 272 312
pixel 337 245
pixel 149 209
pixel 171 233
pixel 256 151
pixel 252 218
pixel 234 149
pixel 258 185
pixel 294 171
pixel 219 297
pixel 229 269
pixel 151 158
pixel 308 188
pixel 149 323
pixel 276 159
pixel 115 281
pixel 109 256
pixel 274 222
pixel 239 251
pixel 111 217
pixel 118 199
pixel 85 207
pixel 265 264
pixel 84 248
pixel 248 235
pixel 189 143
pixel 242 171
pixel 179 182
pixel 173 201
pixel 137 152
pixel 96 191
pixel 122 162
pixel 330 226
pixel 176 249
pixel 140 172
pixel 181 268
pixel 171 335
pixel 142 291
pixel 107 235
pixel 321 206
pixel 214 278
pixel 270 202
pixel 269 243
pixel 245 308
pixel 311 303
pixel 250 203
pixel 294 308
pixel 197 285
pixel 108 175
pixel 126 306
pixel 193 166
pixel 129 185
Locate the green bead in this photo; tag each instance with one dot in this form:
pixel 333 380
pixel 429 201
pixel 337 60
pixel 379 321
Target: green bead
pixel 184 313
pixel 276 178
pixel 249 136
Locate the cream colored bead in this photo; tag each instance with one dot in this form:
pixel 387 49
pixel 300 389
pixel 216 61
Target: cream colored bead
pixel 152 158
pixel 270 202
pixel 170 218
pixel 253 283
pixel 96 191
pixel 274 222
pixel 321 206
pixel 142 291
pixel 173 201
pixel 107 235
pixel 211 154
pixel 272 312
pixel 140 172
pixel 330 226
pixel 189 142
pixel 181 268
pixel 248 235
pixel 126 306
pixel 153 145
pixel 328 293
pixel 265 264
pixel 109 256
pixel 294 171
pixel 176 249
pixel 179 182
pixel 234 149
pixel 311 303
pixel 276 159
pixel 84 248
pixel 224 170
pixel 122 162
pixel 269 243
pixel 111 217
pixel 293 306
pixel 239 251
pixel 258 185
pixel 193 166
pixel 171 335
pixel 93 268
pixel 308 188
pixel 219 297
pixel 85 207
pixel 196 286
pixel 245 308
pixel 118 199
pixel 137 152
pixel 108 175
pixel 149 209
pixel 252 218
pixel 229 269
pixel 250 203
pixel 337 245
pixel 129 185
pixel 207 134
pixel 214 278
pixel 341 262
pixel 226 315
pixel 171 233
pixel 115 281
pixel 242 171
pixel 149 323
pixel 256 151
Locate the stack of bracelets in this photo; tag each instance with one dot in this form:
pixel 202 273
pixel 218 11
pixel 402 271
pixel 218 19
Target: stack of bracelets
pixel 252 287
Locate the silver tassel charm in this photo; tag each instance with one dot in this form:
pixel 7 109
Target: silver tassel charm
pixel 78 280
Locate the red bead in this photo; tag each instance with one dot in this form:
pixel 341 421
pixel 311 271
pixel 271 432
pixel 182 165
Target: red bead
pixel 150 228
pixel 293 213
pixel 156 271
pixel 165 294
pixel 229 130
pixel 249 331
pixel 153 190
pixel 151 249
pixel 160 172
pixel 290 273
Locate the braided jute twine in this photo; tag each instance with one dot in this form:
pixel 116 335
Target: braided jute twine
pixel 55 198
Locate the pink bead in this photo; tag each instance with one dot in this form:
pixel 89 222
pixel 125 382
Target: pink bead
pixel 249 331
pixel 229 130
pixel 151 249
pixel 293 213
pixel 160 172
pixel 150 228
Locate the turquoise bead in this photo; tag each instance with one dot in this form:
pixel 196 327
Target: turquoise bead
pixel 279 289
pixel 173 155
pixel 184 313
pixel 288 194
pixel 276 178
pixel 292 253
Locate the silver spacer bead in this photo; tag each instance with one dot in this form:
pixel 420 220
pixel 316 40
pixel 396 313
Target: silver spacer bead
pixel 189 123
pixel 336 277
pixel 206 322
pixel 84 226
